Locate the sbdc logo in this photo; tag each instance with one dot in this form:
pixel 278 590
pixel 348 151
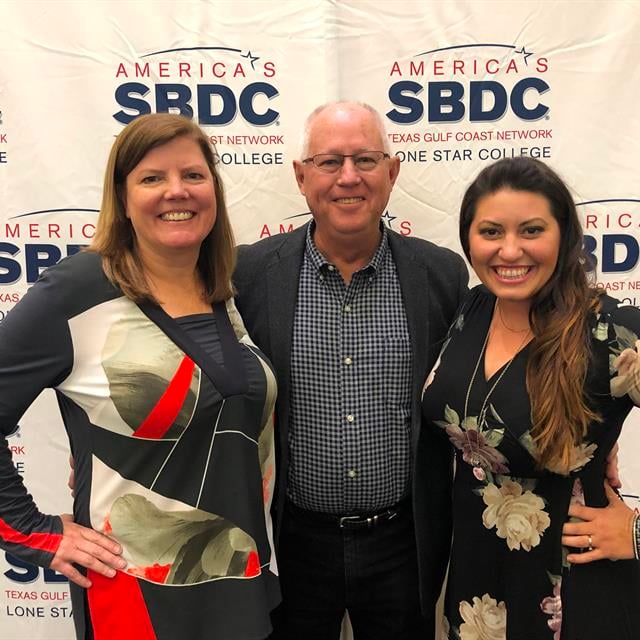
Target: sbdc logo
pixel 610 239
pixel 446 101
pixel 213 104
pixel 474 100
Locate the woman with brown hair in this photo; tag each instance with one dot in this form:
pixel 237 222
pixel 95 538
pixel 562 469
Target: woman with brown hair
pixel 532 387
pixel 167 405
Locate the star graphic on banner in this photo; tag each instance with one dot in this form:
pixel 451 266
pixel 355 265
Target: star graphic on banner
pixel 388 218
pixel 525 54
pixel 252 58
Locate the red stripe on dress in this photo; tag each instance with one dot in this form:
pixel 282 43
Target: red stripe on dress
pixel 253 565
pixel 118 609
pixel 41 541
pixel 163 415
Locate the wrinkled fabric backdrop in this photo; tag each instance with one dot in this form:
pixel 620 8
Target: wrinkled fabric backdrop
pixel 460 84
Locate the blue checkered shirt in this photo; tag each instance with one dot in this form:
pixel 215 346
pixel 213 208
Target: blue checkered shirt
pixel 350 431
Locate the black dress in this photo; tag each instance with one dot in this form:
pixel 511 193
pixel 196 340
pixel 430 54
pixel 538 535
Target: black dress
pixel 508 577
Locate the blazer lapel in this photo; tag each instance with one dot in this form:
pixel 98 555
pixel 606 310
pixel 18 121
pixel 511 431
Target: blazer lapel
pixel 414 284
pixel 283 275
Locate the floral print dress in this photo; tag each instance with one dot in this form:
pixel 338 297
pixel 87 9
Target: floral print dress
pixel 508 577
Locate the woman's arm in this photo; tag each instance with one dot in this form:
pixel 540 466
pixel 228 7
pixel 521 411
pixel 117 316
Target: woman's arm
pixel 36 353
pixel 610 532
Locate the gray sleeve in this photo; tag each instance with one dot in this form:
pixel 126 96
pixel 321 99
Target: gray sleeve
pixel 35 353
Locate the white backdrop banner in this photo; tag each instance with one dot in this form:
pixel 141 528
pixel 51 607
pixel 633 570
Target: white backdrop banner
pixel 459 84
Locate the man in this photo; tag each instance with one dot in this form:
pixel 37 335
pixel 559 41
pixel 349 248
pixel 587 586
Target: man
pixel 352 316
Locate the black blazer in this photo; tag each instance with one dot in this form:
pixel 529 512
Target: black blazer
pixel 433 281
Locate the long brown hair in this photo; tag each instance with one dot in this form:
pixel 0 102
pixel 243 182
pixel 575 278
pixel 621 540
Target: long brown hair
pixel 115 238
pixel 559 315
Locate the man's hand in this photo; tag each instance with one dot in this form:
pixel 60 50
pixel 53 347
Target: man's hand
pixel 88 548
pixel 71 482
pixel 611 472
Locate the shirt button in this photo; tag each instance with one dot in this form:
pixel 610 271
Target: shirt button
pixel 348 360
pixel 331 267
pixel 350 418
pixel 352 473
pixel 347 308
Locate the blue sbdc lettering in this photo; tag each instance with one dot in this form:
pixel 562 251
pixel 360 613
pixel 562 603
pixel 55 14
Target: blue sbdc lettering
pixel 446 101
pixel 177 97
pixel 612 243
pixel 25 572
pixel 37 257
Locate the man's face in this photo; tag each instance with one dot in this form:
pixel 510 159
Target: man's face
pixel 348 203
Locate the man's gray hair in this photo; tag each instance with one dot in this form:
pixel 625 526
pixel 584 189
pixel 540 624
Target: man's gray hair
pixel 304 140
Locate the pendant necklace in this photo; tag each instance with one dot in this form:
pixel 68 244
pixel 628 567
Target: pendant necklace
pixel 475 459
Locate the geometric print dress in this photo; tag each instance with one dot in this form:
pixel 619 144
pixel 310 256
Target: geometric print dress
pixel 508 576
pixel 173 449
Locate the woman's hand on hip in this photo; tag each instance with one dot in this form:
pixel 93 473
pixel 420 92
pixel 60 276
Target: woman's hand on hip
pixel 604 533
pixel 87 548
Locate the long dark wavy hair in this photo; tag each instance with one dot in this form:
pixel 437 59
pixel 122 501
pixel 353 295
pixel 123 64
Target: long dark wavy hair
pixel 560 350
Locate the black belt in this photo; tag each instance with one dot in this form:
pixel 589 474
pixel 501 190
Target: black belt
pixel 355 521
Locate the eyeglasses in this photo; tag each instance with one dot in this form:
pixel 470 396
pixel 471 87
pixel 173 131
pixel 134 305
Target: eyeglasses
pixel 332 162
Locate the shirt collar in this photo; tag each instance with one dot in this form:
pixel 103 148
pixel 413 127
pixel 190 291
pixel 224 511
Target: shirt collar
pixel 320 263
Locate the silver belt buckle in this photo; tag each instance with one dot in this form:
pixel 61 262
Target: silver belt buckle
pixel 345 520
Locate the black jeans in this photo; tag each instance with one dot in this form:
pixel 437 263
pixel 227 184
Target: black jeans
pixel 371 572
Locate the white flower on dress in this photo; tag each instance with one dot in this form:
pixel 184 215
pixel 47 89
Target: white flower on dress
pixel 517 515
pixel 601 331
pixel 486 619
pixel 627 365
pixel 580 456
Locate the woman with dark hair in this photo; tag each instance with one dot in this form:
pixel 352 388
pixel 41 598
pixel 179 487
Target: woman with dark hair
pixel 533 383
pixel 166 402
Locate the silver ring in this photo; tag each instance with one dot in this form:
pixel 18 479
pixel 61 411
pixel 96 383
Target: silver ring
pixel 590 541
